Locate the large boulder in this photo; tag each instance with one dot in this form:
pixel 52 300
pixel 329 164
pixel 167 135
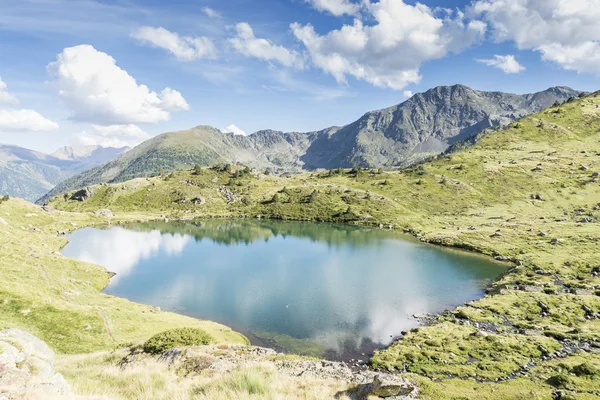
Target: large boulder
pixel 27 368
pixel 82 195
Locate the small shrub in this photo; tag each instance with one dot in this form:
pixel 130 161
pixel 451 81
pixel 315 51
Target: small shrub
pixel 164 341
pixel 561 381
pixel 4 198
pixel 585 369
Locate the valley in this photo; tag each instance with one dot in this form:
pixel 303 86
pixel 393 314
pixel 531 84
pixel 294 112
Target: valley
pixel 527 194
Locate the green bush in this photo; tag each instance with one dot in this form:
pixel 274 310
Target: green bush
pixel 585 370
pixel 561 381
pixel 164 341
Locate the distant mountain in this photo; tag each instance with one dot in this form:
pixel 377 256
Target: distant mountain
pixel 30 174
pixel 89 155
pixel 426 124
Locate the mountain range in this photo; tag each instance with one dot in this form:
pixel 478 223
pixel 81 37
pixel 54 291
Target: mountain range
pixel 30 174
pixel 424 125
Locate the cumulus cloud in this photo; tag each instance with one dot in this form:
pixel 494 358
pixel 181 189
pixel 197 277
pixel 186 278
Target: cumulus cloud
pixel 112 136
pixel 211 12
pixel 335 7
pixel 507 63
pixel 565 32
pixel 25 121
pixel 184 48
pixel 246 43
pixel 407 94
pixel 389 52
pixel 96 90
pixel 234 129
pixel 5 96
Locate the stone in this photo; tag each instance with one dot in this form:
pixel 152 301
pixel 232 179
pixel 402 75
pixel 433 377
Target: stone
pixel 82 195
pixel 106 213
pixel 390 386
pixel 48 208
pixel 27 365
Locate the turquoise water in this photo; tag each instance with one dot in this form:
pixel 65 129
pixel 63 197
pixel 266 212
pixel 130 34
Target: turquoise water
pixel 316 289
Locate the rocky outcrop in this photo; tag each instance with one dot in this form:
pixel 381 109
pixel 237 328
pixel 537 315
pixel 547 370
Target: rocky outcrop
pixel 27 368
pixel 82 195
pixel 363 382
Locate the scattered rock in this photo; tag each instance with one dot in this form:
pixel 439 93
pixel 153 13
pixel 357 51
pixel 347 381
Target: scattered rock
pixel 106 213
pixel 48 208
pixel 228 194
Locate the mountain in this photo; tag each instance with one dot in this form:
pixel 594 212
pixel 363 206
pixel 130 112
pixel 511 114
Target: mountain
pixel 29 174
pixel 90 155
pixel 426 124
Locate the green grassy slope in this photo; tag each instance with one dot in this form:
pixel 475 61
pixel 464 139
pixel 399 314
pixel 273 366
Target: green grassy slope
pixel 529 194
pixel 59 299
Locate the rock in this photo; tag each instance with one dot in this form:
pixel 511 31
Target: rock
pixel 106 213
pixel 27 366
pixel 496 234
pixel 544 307
pixel 501 258
pixel 171 356
pixel 82 195
pixel 557 241
pixel 390 386
pixel 228 194
pixel 48 208
pixel 3 222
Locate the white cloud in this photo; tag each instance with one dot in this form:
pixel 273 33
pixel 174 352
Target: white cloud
pixel 211 12
pixel 112 136
pixel 96 90
pixel 389 53
pixel 507 63
pixel 234 129
pixel 25 121
pixel 407 94
pixel 5 96
pixel 566 32
pixel 335 7
pixel 184 48
pixel 249 45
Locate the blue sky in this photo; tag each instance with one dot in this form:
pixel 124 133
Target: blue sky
pixel 287 64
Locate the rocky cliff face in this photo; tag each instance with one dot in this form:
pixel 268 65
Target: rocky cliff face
pixel 27 368
pixel 426 124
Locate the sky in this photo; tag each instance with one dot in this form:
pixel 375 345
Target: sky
pixel 117 72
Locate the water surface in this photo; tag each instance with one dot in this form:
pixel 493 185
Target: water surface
pixel 316 289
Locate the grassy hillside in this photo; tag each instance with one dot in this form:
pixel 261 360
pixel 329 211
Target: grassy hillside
pixel 424 125
pixel 529 194
pixel 59 299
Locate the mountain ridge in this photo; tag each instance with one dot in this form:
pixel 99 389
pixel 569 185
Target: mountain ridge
pixel 424 125
pixel 30 174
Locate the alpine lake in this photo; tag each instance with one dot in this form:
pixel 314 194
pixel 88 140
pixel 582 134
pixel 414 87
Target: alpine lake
pixel 332 291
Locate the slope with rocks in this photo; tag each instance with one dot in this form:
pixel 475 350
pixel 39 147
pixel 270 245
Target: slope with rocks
pixel 425 124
